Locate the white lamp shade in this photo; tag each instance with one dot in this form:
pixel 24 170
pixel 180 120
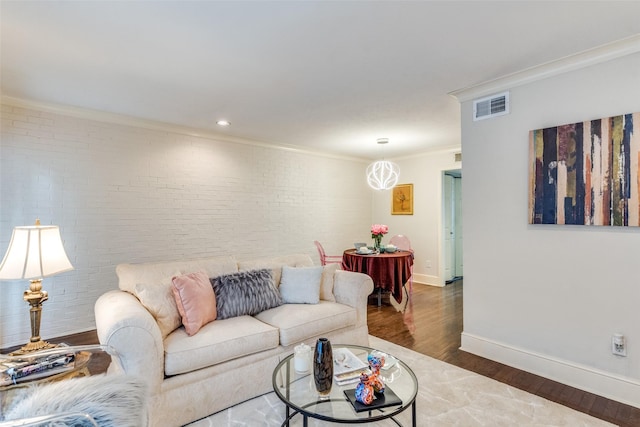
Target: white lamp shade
pixel 34 252
pixel 382 175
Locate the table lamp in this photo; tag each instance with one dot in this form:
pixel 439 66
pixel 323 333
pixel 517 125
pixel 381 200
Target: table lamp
pixel 34 252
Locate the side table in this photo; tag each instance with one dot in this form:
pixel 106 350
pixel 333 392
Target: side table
pixel 80 369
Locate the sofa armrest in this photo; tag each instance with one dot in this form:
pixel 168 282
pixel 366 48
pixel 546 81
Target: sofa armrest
pixel 353 289
pixel 127 327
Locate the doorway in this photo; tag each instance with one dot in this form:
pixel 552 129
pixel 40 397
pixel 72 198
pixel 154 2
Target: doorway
pixel 452 223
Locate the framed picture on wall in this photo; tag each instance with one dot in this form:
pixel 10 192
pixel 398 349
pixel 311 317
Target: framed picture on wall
pixel 586 173
pixel 402 199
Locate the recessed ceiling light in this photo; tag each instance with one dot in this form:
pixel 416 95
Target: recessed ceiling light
pixel 223 123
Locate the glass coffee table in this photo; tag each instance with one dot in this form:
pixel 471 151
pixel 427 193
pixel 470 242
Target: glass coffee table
pixel 298 392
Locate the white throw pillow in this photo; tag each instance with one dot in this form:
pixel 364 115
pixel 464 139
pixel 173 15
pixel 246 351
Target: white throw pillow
pixel 300 285
pixel 275 264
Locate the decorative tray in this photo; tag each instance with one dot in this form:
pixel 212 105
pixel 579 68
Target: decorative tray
pixel 388 398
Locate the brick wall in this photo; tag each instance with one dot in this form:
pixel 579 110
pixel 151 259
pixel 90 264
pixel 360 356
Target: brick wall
pixel 130 194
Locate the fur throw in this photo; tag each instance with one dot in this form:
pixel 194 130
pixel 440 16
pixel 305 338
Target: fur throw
pixel 112 400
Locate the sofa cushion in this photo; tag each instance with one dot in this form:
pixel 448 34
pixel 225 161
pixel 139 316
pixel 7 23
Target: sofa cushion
pixel 195 300
pixel 245 293
pixel 217 342
pixel 276 263
pixel 300 285
pixel 154 272
pixel 158 299
pixel 151 284
pixel 326 286
pixel 299 322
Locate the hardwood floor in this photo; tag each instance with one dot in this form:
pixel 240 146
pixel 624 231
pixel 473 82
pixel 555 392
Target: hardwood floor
pixel 431 325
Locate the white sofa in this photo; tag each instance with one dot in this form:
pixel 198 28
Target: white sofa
pixel 227 361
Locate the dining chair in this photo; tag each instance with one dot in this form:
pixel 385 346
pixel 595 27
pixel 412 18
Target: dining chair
pixel 327 259
pixel 403 243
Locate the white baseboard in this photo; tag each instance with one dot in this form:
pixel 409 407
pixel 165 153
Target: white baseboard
pixel 425 279
pixel 622 389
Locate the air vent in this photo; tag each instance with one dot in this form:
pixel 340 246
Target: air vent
pixel 458 157
pixel 491 106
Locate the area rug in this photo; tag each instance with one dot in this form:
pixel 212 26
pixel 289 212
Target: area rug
pixel 448 396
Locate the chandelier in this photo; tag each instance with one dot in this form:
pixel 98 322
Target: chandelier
pixel 382 175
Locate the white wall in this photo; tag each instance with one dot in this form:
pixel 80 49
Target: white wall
pixel 424 227
pixel 548 298
pixel 130 194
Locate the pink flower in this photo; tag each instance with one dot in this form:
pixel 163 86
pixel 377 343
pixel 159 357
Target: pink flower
pixel 379 230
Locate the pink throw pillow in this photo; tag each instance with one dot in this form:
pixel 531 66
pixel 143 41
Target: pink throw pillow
pixel 195 300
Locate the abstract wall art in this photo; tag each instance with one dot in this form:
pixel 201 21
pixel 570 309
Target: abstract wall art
pixel 586 173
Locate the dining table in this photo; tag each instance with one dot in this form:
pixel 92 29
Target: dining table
pixel 389 271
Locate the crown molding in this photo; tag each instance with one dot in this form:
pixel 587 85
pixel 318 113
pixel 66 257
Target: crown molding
pixel 120 119
pixel 597 55
pixel 448 149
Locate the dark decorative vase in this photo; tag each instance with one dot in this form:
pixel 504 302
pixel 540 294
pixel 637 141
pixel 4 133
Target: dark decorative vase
pixel 323 367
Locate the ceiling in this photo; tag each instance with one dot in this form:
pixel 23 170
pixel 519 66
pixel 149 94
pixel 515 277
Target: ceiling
pixel 330 76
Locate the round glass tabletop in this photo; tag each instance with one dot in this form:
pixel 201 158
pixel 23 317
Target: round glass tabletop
pixel 298 391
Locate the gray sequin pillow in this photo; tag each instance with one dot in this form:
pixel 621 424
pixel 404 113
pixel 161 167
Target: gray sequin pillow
pixel 245 293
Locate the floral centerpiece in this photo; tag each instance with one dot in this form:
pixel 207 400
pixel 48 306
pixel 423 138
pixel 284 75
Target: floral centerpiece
pixel 377 231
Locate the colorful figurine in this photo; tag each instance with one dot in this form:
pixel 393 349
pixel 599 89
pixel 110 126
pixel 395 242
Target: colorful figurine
pixel 376 361
pixel 377 384
pixel 364 390
pixel 369 385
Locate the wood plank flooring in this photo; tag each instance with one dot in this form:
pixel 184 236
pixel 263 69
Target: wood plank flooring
pixel 432 324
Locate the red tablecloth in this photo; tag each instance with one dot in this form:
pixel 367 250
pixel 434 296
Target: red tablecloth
pixel 388 271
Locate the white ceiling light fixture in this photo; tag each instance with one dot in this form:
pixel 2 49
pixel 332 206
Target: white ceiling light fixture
pixel 382 175
pixel 223 122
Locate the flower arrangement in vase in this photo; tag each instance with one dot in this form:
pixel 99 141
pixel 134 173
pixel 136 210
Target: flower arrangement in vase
pixel 377 231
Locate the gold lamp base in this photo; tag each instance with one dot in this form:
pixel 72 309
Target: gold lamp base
pixel 33 346
pixel 35 296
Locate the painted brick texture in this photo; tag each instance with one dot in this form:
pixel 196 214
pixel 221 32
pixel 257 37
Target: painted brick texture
pixel 129 194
